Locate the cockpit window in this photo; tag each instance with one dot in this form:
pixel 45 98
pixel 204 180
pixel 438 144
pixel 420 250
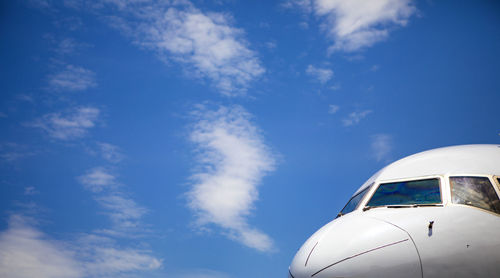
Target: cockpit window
pixel 474 191
pixel 417 192
pixel 354 202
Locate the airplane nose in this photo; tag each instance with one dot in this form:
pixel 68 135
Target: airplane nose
pixel 357 246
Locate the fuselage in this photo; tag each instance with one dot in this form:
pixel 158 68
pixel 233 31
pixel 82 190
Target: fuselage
pixel 433 214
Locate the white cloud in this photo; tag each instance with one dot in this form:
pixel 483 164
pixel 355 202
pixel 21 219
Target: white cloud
pixel 323 75
pixel 110 152
pixel 332 108
pixel 12 152
pixel 97 179
pixel 233 161
pixel 103 258
pixel 26 98
pixel 41 4
pixel 335 87
pixel 72 78
pixel 124 213
pixel 208 46
pixel 374 68
pixel 381 146
pixel 356 24
pixel 70 23
pixel 305 5
pixel 30 190
pixel 68 46
pixel 201 273
pixel 71 124
pixel 27 252
pixel 271 44
pixel 204 43
pixel 355 117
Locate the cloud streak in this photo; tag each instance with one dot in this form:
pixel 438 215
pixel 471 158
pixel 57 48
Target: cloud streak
pixel 12 152
pixel 68 125
pixel 357 24
pixel 233 161
pixel 103 258
pixel 332 108
pixel 25 252
pixel 124 213
pixel 381 146
pixel 110 152
pixel 323 75
pixel 97 179
pixel 201 273
pixel 125 217
pixel 72 78
pixel 355 117
pixel 205 44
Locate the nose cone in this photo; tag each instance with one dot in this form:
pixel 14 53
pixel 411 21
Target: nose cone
pixel 357 246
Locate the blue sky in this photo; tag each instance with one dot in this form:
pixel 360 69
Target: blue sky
pixel 209 139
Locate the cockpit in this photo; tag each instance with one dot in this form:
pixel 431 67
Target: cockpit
pixel 475 191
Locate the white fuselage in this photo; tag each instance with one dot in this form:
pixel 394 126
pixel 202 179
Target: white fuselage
pixel 442 239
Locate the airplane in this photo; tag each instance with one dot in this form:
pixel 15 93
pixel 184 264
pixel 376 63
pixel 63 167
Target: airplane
pixel 431 214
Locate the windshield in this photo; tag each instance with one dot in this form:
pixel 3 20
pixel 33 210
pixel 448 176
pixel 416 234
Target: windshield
pixel 354 202
pixel 474 191
pixel 407 193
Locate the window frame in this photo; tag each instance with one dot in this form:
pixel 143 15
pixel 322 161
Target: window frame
pixel 495 183
pixel 377 184
pixel 367 189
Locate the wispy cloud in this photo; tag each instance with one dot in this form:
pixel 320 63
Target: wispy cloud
pixel 332 109
pixel 205 44
pixel 201 273
pixel 124 213
pixel 304 5
pixel 25 252
pixel 70 23
pixel 375 68
pixel 67 46
pixel 356 24
pixel 104 259
pixel 225 186
pixel 381 146
pixel 208 45
pixel 72 78
pixel 12 152
pixel 355 117
pixel 97 179
pixel 41 4
pixel 323 75
pixel 125 217
pixel 30 190
pixel 110 152
pixel 68 125
pixel 25 98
